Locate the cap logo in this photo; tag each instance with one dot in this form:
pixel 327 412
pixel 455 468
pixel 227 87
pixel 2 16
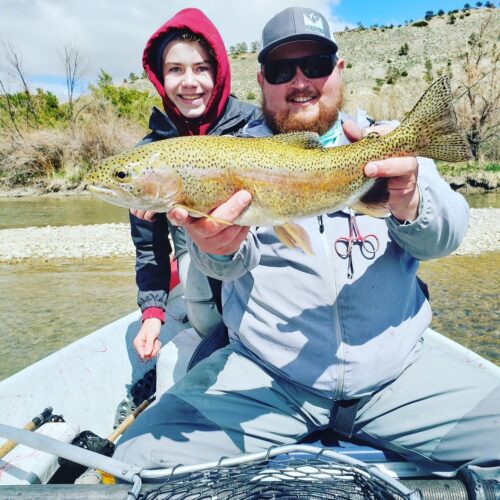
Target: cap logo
pixel 314 24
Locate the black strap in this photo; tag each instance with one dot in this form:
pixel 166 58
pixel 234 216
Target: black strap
pixel 209 344
pixel 425 289
pixel 343 416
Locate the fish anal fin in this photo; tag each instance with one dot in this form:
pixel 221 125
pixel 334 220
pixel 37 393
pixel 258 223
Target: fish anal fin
pixel 294 236
pixel 196 213
pixel 371 210
pixel 375 201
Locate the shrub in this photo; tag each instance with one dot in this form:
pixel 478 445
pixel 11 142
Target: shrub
pixel 251 96
pixel 392 74
pixel 420 24
pixel 403 50
pixel 349 65
pixel 428 72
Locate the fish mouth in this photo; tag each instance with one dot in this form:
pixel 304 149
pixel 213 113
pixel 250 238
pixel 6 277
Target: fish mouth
pixel 126 199
pixel 107 194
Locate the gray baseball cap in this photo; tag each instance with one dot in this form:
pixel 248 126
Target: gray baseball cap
pixel 296 23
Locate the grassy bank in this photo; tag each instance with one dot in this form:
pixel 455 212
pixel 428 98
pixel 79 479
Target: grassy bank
pixel 472 176
pixel 46 145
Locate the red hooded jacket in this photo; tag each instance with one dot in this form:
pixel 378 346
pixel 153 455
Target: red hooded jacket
pixel 195 21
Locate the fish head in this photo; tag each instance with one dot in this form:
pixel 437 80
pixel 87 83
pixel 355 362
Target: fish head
pixel 138 179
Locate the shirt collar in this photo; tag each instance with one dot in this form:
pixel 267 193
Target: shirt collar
pixel 332 136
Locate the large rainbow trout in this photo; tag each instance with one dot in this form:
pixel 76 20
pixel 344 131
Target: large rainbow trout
pixel 289 176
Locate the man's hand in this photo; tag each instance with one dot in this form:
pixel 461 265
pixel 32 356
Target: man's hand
pixel 147 215
pixel 402 173
pixel 404 197
pixel 214 237
pixel 146 342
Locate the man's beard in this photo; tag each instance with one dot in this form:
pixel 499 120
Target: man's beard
pixel 284 122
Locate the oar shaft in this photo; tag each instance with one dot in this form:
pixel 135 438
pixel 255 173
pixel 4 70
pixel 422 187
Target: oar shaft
pixel 128 421
pixel 32 425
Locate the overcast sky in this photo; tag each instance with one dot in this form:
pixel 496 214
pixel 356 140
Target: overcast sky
pixel 111 34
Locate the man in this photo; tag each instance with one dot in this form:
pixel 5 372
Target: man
pixel 324 342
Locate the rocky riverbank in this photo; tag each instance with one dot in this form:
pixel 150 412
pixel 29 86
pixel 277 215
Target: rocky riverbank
pixel 109 240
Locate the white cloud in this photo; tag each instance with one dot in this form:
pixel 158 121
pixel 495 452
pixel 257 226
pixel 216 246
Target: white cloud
pixel 112 34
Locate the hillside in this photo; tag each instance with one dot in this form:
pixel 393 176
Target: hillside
pixel 370 52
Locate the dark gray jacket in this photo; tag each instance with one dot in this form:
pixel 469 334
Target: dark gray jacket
pixel 151 239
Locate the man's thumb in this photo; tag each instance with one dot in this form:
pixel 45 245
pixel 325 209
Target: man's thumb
pixel 352 131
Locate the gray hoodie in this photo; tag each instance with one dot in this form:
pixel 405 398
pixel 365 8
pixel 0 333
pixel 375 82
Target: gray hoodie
pixel 304 319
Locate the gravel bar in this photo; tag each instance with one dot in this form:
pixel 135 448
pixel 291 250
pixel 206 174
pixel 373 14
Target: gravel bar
pixel 109 240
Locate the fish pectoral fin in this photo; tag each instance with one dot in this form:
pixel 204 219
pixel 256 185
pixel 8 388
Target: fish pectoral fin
pixel 196 213
pixel 305 140
pixel 294 236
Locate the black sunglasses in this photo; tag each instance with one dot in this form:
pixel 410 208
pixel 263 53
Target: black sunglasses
pixel 283 70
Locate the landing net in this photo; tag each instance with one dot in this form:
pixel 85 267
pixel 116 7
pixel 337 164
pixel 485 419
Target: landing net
pixel 287 476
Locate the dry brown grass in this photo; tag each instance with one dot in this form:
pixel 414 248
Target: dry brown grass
pixel 49 155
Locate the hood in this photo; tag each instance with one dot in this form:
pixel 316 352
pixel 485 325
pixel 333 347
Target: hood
pixel 195 21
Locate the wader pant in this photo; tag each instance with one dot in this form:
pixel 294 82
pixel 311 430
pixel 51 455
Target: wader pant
pixel 443 411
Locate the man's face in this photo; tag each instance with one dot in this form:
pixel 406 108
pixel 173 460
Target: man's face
pixel 302 104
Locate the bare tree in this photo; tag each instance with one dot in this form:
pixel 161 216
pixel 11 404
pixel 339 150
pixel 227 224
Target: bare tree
pixel 74 70
pixel 17 71
pixel 479 110
pixel 6 104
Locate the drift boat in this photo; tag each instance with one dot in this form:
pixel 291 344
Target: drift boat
pixel 94 387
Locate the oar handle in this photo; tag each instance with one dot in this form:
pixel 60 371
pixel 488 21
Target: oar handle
pixel 128 421
pixel 32 425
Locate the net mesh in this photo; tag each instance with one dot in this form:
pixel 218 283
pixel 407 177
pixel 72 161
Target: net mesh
pixel 285 477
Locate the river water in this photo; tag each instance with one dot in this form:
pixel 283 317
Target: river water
pixel 46 305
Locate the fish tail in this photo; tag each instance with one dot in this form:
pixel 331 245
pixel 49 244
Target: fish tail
pixel 434 122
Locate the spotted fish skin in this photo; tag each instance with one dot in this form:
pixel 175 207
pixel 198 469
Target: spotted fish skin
pixel 289 176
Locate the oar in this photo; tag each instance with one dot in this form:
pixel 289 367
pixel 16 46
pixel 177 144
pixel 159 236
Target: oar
pixel 130 418
pixel 32 425
pixel 95 476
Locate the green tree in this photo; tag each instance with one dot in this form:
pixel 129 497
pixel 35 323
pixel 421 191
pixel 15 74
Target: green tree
pixel 428 71
pixel 241 48
pixel 403 50
pixel 104 79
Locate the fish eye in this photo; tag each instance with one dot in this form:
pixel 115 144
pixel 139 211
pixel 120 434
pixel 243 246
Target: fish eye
pixel 121 175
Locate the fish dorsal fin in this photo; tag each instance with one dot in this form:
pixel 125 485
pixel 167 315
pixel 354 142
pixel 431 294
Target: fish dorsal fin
pixel 305 140
pixel 370 136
